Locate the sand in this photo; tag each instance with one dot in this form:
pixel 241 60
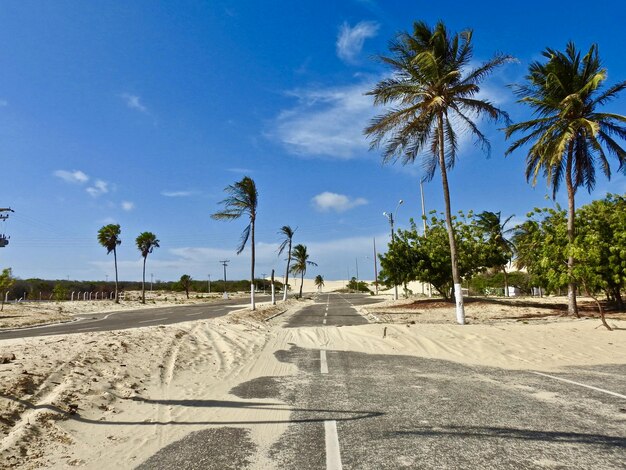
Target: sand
pixel 118 397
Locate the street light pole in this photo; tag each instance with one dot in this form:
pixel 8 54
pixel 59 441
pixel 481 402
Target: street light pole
pixel 356 262
pixel 375 268
pixel 209 284
pixel 393 239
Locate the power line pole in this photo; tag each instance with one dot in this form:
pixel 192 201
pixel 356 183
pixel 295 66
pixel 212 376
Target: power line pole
pixel 225 263
pixel 4 240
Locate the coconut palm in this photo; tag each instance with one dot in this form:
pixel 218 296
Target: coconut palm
pixel 568 134
pixel 146 242
pixel 300 263
pixel 288 232
pixel 109 237
pixel 431 95
pixel 491 224
pixel 243 198
pixel 319 282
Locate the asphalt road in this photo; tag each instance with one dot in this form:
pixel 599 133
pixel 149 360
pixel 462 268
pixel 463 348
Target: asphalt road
pixel 126 319
pixel 368 411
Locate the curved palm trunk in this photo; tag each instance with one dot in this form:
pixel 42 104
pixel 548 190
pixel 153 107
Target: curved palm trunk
pixel 506 281
pixel 273 290
pixel 456 279
pixel 143 282
pixel 285 287
pixel 117 300
pixel 252 306
pixel 572 308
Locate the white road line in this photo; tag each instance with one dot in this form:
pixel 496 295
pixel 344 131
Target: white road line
pixel 193 314
pixel 84 329
pixel 153 320
pixel 323 363
pixel 333 455
pixel 581 385
pixel 324 321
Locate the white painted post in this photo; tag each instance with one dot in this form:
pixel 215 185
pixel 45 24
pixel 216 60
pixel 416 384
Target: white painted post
pixel 6 297
pixel 72 296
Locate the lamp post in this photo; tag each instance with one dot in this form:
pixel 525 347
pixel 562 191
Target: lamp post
pixel 393 238
pixel 209 284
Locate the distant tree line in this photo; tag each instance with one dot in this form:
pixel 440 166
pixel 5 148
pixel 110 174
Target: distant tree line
pixel 61 289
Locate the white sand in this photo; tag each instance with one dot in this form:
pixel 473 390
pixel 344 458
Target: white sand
pixel 139 390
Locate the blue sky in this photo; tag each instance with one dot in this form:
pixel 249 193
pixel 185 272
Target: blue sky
pixel 140 113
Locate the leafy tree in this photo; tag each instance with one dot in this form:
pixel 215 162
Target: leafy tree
pixel 359 286
pixel 601 246
pixel 569 134
pixel 185 283
pixel 431 94
pixel 146 242
pixel 288 233
pixel 496 233
pixel 109 237
pixel 300 263
pixel 319 282
pixel 243 199
pixel 542 248
pixel 59 293
pixel 426 258
pixel 6 282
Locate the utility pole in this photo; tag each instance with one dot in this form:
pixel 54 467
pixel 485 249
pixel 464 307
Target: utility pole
pixel 356 262
pixel 225 263
pixel 4 240
pixel 209 283
pixel 430 292
pixel 375 268
pixel 151 281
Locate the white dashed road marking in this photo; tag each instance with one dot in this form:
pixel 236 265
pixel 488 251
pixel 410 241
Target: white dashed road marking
pixel 333 455
pixel 581 385
pixel 323 363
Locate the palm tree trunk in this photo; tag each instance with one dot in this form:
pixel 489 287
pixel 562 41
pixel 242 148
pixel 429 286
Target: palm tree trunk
pixel 456 279
pixel 572 308
pixel 285 287
pixel 143 282
pixel 273 290
pixel 252 306
pixel 506 281
pixel 117 300
pixel 301 283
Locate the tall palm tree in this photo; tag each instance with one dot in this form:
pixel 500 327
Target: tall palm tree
pixel 109 237
pixel 491 223
pixel 319 282
pixel 568 134
pixel 288 233
pixel 146 242
pixel 243 199
pixel 300 263
pixel 432 94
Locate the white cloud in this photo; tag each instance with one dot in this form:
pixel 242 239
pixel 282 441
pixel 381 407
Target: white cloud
pixel 328 201
pixel 177 193
pixel 350 40
pixel 128 206
pixel 75 176
pixel 99 187
pixel 327 122
pixel 134 102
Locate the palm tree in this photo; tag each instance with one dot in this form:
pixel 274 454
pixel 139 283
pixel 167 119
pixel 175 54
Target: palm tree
pixel 432 94
pixel 300 263
pixel 319 282
pixel 243 198
pixel 146 242
pixel 568 134
pixel 491 224
pixel 109 237
pixel 288 232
